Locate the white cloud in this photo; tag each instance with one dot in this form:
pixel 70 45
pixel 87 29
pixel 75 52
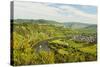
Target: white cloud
pixel 75 13
pixel 29 10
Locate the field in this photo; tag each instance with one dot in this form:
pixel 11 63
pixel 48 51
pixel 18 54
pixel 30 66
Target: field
pixel 48 42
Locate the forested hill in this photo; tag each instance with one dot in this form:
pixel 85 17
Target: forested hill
pixel 72 25
pixel 39 21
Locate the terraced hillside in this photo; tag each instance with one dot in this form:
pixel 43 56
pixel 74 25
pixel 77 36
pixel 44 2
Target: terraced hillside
pixel 42 42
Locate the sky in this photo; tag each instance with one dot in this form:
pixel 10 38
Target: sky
pixel 55 11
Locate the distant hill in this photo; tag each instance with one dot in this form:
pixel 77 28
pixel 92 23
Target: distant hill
pixel 92 28
pixel 77 25
pixel 72 25
pixel 39 21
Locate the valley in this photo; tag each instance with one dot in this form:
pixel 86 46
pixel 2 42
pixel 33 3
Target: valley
pixel 48 42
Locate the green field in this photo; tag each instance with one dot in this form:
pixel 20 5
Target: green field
pixel 49 42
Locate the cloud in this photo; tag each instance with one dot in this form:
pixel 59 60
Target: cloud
pixel 75 13
pixel 65 13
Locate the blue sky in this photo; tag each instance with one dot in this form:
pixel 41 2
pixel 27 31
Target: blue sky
pixel 88 9
pixel 84 8
pixel 57 12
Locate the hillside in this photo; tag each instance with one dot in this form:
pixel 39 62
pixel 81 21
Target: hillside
pixel 47 42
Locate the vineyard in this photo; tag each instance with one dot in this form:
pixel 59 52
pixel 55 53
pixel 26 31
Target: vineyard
pixel 49 42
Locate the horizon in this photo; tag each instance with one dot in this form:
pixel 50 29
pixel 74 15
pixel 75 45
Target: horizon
pixel 55 11
pixel 55 21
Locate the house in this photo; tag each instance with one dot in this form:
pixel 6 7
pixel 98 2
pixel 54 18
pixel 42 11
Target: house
pixel 83 38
